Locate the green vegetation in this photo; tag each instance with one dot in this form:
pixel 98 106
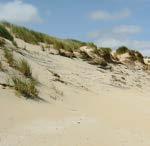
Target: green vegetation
pixel 74 44
pixel 1 66
pixel 106 50
pixel 28 35
pixel 63 45
pixel 5 34
pixel 23 66
pixel 104 53
pixel 9 56
pixel 14 43
pixel 25 87
pixel 122 50
pixel 136 56
pixel 26 84
pixel 68 45
pixel 92 45
pixel 139 57
pixel 102 50
pixel 85 56
pixel 34 37
pixel 2 42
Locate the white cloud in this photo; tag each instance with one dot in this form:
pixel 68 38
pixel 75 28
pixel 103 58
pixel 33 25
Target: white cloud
pixel 105 15
pixel 127 29
pixel 18 11
pixel 119 36
pixel 112 42
pixel 143 46
pixel 122 31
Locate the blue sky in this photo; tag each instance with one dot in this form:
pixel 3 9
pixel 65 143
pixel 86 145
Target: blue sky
pixel 108 23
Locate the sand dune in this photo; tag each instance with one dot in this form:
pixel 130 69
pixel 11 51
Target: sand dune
pixel 85 105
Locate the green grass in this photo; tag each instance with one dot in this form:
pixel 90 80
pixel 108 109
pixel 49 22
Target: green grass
pixel 134 55
pixel 10 57
pixel 92 45
pixel 106 50
pixel 1 66
pixel 25 87
pixel 85 56
pixel 102 50
pixel 104 53
pixel 2 42
pixel 67 46
pixel 75 44
pixel 137 56
pixel 34 37
pixel 28 35
pixel 5 34
pixel 23 66
pixel 122 50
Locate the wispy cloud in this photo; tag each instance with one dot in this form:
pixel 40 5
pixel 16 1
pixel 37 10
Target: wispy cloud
pixel 114 43
pixel 143 46
pixel 127 29
pixel 118 31
pixel 107 15
pixel 18 11
pixel 119 36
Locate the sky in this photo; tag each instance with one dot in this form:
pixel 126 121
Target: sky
pixel 107 23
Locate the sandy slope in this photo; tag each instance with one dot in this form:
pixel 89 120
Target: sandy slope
pixel 88 106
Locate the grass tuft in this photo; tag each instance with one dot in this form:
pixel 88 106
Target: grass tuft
pixel 25 87
pixel 34 37
pixel 1 66
pixel 23 66
pixel 9 56
pixel 2 42
pixel 5 34
pixel 122 50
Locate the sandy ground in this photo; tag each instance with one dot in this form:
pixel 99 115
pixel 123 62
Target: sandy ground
pixel 88 106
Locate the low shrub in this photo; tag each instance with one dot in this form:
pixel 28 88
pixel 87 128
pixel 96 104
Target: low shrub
pixel 122 50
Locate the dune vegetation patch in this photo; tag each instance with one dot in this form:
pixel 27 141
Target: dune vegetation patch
pixel 25 87
pixel 24 84
pixel 2 42
pixel 122 50
pixel 34 37
pixel 23 66
pixel 5 33
pixel 9 57
pixel 1 66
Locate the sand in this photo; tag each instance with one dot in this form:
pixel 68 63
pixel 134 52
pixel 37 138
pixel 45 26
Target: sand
pixel 87 106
